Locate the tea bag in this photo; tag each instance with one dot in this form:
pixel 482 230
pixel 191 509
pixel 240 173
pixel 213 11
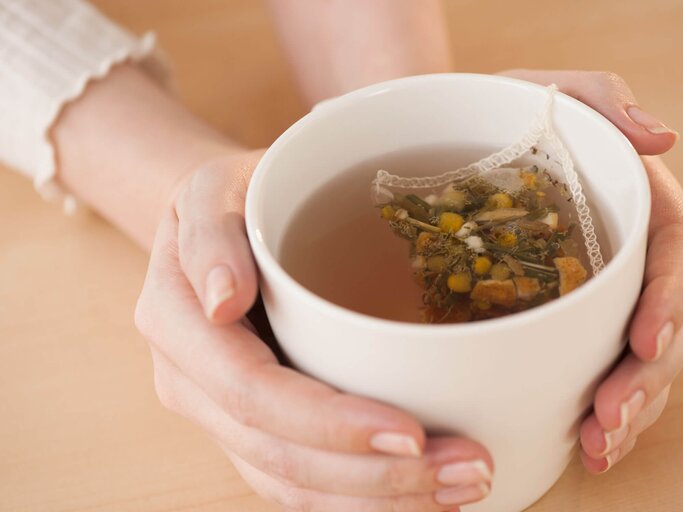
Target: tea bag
pixel 503 234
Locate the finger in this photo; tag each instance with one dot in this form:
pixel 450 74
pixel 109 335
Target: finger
pixel 242 375
pixel 641 422
pixel 608 94
pixel 633 385
pixel 604 464
pixel 598 460
pixel 659 314
pixel 213 245
pixel 597 443
pixel 649 415
pixel 447 462
pixel 298 499
pixel 594 466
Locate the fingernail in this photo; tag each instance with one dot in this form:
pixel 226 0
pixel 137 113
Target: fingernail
pixel 666 334
pixel 631 407
pixel 648 121
pixel 627 411
pixel 395 444
pixel 610 459
pixel 464 473
pixel 220 286
pixel 614 438
pixel 461 495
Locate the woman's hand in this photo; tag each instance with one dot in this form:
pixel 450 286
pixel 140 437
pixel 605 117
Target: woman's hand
pixel 635 393
pixel 296 441
pixel 308 447
pixel 633 396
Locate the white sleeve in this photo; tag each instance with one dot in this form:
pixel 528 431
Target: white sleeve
pixel 49 51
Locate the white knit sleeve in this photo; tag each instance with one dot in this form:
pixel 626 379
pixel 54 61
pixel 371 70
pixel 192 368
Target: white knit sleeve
pixel 49 50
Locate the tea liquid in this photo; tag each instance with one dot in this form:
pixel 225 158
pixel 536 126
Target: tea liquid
pixel 338 247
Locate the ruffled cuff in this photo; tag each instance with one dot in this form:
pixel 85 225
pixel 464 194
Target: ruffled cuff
pixel 49 52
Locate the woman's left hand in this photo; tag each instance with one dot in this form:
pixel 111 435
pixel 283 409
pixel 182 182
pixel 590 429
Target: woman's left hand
pixel 633 396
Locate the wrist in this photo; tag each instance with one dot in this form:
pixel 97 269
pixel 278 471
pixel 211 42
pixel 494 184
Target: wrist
pixel 125 145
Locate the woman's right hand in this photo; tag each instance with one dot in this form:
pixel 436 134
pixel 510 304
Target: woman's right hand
pixel 296 441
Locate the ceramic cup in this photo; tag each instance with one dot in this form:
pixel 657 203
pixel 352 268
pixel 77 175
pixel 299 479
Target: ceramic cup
pixel 519 384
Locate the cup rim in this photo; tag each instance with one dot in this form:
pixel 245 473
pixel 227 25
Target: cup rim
pixel 614 267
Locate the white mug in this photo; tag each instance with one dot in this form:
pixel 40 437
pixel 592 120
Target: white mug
pixel 519 384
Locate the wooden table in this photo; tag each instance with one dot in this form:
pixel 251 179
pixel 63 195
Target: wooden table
pixel 80 427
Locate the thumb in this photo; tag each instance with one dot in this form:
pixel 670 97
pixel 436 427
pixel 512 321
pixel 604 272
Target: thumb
pixel 213 249
pixel 609 94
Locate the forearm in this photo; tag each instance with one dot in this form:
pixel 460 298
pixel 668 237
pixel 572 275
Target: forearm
pixel 336 46
pixel 125 145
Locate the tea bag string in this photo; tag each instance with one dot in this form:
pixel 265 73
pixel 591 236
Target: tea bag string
pixel 540 132
pixel 561 153
pixel 538 128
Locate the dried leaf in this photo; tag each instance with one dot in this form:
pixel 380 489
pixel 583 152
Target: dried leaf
pixel 501 215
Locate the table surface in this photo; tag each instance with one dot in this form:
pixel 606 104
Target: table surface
pixel 81 429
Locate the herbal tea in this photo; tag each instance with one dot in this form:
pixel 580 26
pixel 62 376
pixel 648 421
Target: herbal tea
pixel 346 251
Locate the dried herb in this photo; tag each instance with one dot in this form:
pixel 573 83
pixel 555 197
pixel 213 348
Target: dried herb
pixel 480 251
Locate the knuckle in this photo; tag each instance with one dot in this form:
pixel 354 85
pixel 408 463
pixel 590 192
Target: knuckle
pixel 335 431
pixel 191 188
pixel 143 316
pixel 395 477
pixel 203 176
pixel 191 232
pixel 146 318
pixel 230 175
pixel 278 460
pixel 610 77
pixel 238 183
pixel 239 179
pixel 164 389
pixel 333 434
pixel 239 401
